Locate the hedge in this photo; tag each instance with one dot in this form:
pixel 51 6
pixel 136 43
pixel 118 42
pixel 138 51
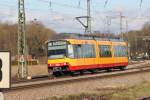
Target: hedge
pixel 34 62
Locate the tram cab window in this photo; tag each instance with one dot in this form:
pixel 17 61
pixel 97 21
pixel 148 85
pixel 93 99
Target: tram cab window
pixel 57 50
pixel 105 51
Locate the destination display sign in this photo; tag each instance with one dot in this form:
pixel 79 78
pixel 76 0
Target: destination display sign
pixel 5 70
pixel 57 43
pixel 56 47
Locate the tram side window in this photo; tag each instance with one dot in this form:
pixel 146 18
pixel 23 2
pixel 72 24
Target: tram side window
pixel 105 51
pixel 78 51
pixel 88 51
pixel 120 51
pixel 84 51
pixel 124 51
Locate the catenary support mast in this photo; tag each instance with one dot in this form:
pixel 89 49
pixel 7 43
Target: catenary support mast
pixel 86 25
pixel 22 56
pixel 88 16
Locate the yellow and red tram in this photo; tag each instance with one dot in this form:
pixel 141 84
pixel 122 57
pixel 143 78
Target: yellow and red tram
pixel 86 54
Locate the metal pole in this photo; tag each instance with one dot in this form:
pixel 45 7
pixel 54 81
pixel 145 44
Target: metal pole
pixel 127 27
pixel 22 66
pixel 129 56
pixel 88 16
pixel 108 20
pixel 121 25
pixel 87 25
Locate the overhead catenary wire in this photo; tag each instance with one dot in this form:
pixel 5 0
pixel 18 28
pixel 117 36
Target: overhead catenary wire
pixel 106 2
pixel 35 9
pixel 72 6
pixel 50 4
pixel 77 6
pixel 38 10
pixel 62 4
pixel 141 1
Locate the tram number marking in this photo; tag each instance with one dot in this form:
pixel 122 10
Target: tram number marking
pixel 1 64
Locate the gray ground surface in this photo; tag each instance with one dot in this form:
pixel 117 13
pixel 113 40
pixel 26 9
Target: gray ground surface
pixel 77 87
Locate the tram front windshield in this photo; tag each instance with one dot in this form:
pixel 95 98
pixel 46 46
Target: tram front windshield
pixel 57 49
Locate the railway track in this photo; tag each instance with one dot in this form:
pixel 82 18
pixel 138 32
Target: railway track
pixel 45 77
pixel 38 82
pixel 145 98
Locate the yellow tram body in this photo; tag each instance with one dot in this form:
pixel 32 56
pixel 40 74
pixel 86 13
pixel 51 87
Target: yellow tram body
pixel 108 59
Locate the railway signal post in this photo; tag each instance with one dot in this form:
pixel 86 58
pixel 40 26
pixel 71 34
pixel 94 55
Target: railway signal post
pixel 22 56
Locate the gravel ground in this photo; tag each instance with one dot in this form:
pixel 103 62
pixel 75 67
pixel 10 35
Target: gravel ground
pixel 77 87
pixel 72 88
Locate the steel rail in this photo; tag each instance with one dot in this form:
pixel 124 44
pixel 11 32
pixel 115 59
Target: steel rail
pixel 46 77
pixel 37 84
pixel 145 98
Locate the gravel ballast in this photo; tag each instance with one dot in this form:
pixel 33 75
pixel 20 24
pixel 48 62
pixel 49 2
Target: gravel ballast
pixel 89 86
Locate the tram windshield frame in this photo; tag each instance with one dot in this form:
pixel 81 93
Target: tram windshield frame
pixel 57 49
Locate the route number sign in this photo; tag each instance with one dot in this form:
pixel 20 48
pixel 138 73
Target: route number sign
pixel 5 70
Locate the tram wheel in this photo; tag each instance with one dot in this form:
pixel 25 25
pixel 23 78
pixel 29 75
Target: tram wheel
pixel 108 70
pixel 92 71
pixel 57 74
pixel 81 72
pixel 72 73
pixel 122 68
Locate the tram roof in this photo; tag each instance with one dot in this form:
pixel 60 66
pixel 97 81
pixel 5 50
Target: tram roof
pixel 86 37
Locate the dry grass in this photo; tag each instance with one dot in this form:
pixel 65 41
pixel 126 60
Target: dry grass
pixel 33 70
pixel 82 96
pixel 132 93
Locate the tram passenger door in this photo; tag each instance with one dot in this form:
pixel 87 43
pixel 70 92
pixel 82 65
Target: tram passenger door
pixel 105 54
pixel 114 55
pixel 84 56
pixel 79 58
pixel 89 56
pixel 117 55
pixel 75 54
